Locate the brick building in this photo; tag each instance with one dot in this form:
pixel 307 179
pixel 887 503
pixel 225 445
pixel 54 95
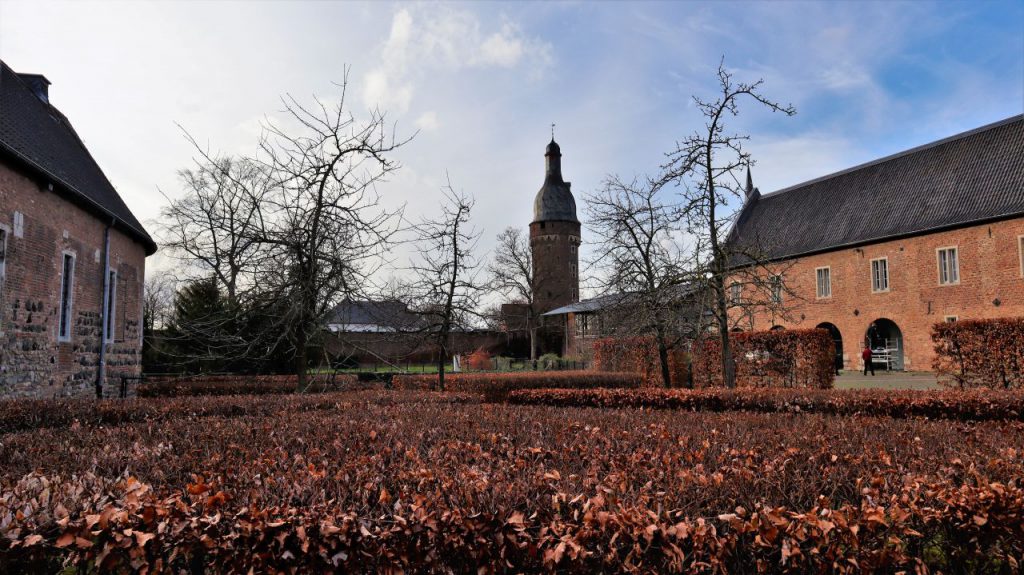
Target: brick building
pixel 880 252
pixel 72 255
pixel 554 244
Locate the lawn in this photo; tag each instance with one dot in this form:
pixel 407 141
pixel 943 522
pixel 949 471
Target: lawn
pixel 420 481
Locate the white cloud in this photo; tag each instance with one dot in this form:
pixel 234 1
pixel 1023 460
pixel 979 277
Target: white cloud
pixel 781 162
pixel 428 121
pixel 380 91
pixel 502 48
pixel 846 77
pixel 424 42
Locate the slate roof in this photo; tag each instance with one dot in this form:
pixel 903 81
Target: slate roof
pixel 591 305
pixel 554 201
pixel 38 137
pixel 962 180
pixel 606 301
pixel 360 315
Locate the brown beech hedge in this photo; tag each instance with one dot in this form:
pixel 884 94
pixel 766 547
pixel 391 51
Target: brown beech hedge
pixel 981 353
pixel 378 486
pixel 179 386
pixel 26 414
pixel 640 355
pixel 800 358
pixel 962 405
pixel 497 386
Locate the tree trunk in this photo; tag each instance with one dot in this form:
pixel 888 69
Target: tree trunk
pixel 666 376
pixel 300 363
pixel 533 340
pixel 441 359
pixel 728 366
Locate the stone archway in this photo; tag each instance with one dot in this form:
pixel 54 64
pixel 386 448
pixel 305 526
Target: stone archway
pixel 777 328
pixel 886 341
pixel 837 338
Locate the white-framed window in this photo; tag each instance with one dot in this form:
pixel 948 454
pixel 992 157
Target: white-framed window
pixel 1020 252
pixel 4 234
pixel 775 283
pixel 19 225
pixel 67 292
pixel 950 318
pixel 108 322
pixel 823 278
pixel 949 266
pixel 880 275
pixel 735 293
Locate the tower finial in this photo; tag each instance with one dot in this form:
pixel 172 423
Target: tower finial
pixel 552 131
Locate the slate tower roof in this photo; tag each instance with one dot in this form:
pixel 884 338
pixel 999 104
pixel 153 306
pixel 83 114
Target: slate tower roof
pixel 966 179
pixel 35 135
pixel 554 201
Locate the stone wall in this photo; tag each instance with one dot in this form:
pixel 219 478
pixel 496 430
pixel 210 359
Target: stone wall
pixel 41 226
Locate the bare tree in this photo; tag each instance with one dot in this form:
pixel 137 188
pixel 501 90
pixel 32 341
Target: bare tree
pixel 445 287
pixel 707 164
pixel 216 225
pixel 511 274
pixel 639 254
pixel 157 301
pixel 325 231
pixel 299 224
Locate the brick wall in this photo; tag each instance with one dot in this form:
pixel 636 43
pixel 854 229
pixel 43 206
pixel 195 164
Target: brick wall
pixel 990 270
pixel 555 249
pixel 401 348
pixel 32 362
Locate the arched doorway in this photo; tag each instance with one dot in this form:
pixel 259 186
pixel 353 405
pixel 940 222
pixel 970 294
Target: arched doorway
pixel 886 341
pixel 837 338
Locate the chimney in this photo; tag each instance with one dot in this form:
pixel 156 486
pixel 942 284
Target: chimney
pixel 38 84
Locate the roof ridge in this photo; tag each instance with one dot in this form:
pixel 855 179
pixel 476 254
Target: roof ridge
pixel 64 123
pixel 900 154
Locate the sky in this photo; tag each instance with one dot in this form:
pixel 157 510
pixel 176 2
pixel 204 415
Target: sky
pixel 479 84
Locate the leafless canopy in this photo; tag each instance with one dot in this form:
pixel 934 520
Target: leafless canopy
pixel 300 224
pixel 639 255
pixel 511 274
pixel 708 165
pixel 445 290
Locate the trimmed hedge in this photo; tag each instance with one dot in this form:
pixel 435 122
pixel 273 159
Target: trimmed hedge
pixel 959 405
pixel 202 385
pixel 640 355
pixel 424 487
pixel 981 353
pixel 17 415
pixel 495 387
pixel 790 358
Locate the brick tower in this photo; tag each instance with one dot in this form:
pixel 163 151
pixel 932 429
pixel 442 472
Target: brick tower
pixel 554 243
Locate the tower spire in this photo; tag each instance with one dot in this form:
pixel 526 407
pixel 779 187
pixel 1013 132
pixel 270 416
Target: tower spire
pixel 552 131
pixel 751 192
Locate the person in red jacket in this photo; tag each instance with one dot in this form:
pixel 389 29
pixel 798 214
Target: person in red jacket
pixel 866 355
